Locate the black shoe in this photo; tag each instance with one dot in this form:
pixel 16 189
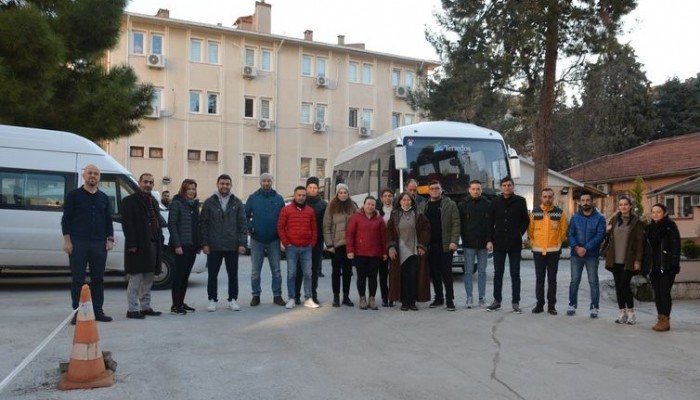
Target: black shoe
pixel 320 275
pixel 347 302
pixel 75 318
pixel 538 310
pixel 404 307
pixel 255 301
pixel 187 308
pixel 450 305
pixel 437 303
pixel 102 317
pixel 495 306
pixel 297 300
pixel 178 310
pixel 391 304
pixel 385 303
pixel 151 312
pixel 336 300
pixel 278 300
pixel 133 315
pixel 315 300
pixel 552 311
pixel 413 307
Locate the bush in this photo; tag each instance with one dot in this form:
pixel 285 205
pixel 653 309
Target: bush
pixel 690 249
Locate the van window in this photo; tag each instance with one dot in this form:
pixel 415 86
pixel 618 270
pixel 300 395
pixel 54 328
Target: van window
pixel 116 187
pixel 38 190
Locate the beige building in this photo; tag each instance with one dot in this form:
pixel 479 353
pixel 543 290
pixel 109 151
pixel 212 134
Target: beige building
pixel 242 101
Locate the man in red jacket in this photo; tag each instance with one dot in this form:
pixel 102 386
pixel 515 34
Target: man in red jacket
pixel 297 230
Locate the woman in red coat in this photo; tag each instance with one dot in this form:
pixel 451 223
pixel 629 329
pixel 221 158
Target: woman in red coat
pixel 365 241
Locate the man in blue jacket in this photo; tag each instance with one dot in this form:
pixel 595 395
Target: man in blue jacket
pixel 262 210
pixel 586 232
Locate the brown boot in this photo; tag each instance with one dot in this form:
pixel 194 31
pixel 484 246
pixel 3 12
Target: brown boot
pixel 663 324
pixel 363 303
pixel 373 303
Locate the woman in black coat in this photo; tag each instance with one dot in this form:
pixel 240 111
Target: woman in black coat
pixel 183 225
pixel 665 243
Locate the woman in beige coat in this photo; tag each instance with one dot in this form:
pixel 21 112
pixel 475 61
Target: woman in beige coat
pixel 335 219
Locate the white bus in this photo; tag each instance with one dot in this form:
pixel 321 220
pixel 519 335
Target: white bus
pixel 453 153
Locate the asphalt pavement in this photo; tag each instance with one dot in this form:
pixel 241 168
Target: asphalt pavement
pixel 268 352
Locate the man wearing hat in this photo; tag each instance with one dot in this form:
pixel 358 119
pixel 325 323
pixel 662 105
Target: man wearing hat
pixel 319 206
pixel 262 210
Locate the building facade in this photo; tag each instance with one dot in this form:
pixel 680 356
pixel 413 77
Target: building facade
pixel 242 101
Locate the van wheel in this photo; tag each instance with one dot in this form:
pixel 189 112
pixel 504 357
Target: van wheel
pixel 164 280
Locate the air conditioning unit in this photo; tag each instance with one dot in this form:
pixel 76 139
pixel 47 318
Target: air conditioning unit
pixel 603 187
pixel 264 124
pixel 155 113
pixel 321 81
pixel 695 200
pixel 363 131
pixel 249 72
pixel 401 92
pixel 155 61
pixel 319 127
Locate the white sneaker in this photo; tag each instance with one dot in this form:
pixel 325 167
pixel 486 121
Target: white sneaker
pixel 310 303
pixel 233 306
pixel 470 302
pixel 631 317
pixel 212 306
pixel 290 304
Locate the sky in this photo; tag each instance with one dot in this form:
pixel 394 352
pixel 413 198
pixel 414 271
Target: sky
pixel 664 34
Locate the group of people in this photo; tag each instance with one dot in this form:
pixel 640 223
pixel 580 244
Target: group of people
pixel 397 245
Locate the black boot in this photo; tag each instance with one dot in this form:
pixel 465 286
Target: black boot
pixel 347 302
pixel 336 300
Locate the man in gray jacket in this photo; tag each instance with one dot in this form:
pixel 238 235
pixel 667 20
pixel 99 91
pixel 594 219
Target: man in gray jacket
pixel 223 228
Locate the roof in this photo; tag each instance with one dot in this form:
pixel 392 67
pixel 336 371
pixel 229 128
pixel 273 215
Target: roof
pixel 663 157
pixel 689 185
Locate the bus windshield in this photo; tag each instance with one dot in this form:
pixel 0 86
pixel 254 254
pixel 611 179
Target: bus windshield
pixel 455 162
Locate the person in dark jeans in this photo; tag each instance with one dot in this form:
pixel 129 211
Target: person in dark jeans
pixel 87 237
pixel 319 205
pixel 665 243
pixel 183 225
pixel 510 222
pixel 444 235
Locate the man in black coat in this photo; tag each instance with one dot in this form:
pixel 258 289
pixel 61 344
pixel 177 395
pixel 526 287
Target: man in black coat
pixel 143 236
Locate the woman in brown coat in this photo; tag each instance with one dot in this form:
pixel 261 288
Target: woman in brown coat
pixel 408 234
pixel 624 256
pixel 335 220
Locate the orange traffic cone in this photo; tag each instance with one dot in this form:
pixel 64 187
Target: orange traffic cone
pixel 87 367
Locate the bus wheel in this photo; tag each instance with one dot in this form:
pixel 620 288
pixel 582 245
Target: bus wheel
pixel 164 280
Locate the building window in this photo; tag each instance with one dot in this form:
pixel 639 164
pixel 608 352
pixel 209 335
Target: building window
pixel 306 65
pixel 305 113
pixel 249 57
pixel 265 108
pixel 136 151
pixel 320 168
pixel 670 205
pixel 249 107
pixel 264 163
pixel 194 101
pixel 321 113
pixel 213 52
pixel 247 164
pixel 266 60
pixel 212 103
pixel 367 118
pixel 194 155
pixel 352 118
pixel 320 66
pixel 409 80
pixel 367 73
pixel 211 156
pixel 686 210
pixel 395 78
pixel 305 167
pixel 157 100
pixel 352 72
pixel 395 120
pixel 137 42
pixel 156 44
pixel 155 152
pixel 408 119
pixel 195 50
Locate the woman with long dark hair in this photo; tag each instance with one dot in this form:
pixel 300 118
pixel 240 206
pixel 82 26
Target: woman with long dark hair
pixel 665 242
pixel 183 225
pixel 335 220
pixel 408 234
pixel 387 205
pixel 624 256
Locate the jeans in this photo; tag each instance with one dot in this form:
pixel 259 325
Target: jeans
pixel 94 253
pixel 499 266
pixel 138 291
pixel 367 268
pixel 577 264
pixel 258 250
pixel 316 260
pixel 623 291
pixel 546 265
pixel 181 274
pixel 481 256
pixel 214 264
pixel 298 255
pixel 440 263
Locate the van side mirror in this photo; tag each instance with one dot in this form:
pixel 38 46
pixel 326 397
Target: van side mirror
pixel 400 159
pixel 513 163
